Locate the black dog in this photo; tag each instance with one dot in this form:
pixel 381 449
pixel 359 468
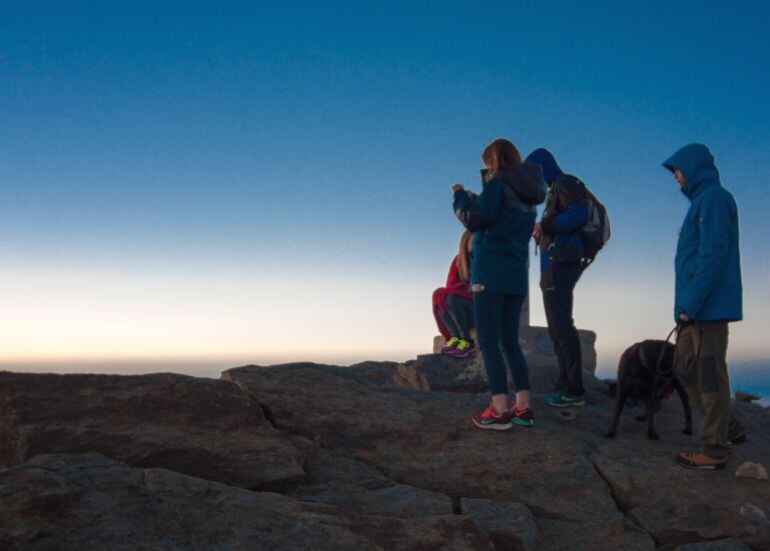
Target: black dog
pixel 646 372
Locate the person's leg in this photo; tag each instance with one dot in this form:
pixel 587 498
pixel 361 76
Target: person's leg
pixel 551 307
pixel 684 363
pixel 714 387
pixel 487 314
pixel 566 276
pixel 522 412
pixel 458 308
pixel 511 349
pixel 449 322
pixel 559 300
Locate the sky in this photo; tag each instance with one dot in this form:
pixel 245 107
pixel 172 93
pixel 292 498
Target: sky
pixel 199 186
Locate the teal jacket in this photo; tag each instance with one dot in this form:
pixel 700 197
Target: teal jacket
pixel 502 218
pixel 708 263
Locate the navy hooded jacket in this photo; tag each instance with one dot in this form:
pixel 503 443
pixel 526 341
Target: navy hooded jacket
pixel 708 264
pixel 501 217
pixel 565 213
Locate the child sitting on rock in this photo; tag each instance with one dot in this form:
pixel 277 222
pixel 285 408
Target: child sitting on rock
pixel 453 304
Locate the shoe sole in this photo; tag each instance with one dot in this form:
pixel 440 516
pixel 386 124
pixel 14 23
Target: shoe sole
pixel 569 405
pixel 492 427
pixel 694 467
pixel 523 423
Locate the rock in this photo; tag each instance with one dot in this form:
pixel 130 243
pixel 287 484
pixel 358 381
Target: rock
pixel 201 427
pixel 745 397
pixel 511 526
pixel 538 348
pixel 425 440
pixel 90 502
pixel 377 455
pixel 350 484
pixel 718 545
pixel 750 469
pixel 443 373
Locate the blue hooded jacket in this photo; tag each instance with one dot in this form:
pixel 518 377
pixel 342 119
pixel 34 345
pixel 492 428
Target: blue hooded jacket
pixel 708 263
pixel 565 213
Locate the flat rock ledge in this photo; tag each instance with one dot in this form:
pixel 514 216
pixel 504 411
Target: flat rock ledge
pixel 379 455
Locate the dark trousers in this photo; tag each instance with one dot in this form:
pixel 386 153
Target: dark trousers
pixel 497 330
pixel 701 365
pixel 558 284
pixel 458 316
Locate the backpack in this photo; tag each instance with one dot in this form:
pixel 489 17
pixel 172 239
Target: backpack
pixel 595 232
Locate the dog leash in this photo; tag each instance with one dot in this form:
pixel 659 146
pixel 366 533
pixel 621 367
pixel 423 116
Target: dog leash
pixel 676 330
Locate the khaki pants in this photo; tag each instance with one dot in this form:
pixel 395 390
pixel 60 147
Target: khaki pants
pixel 701 365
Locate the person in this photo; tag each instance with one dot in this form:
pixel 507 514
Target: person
pixel 453 304
pixel 708 296
pixel 561 253
pixel 501 217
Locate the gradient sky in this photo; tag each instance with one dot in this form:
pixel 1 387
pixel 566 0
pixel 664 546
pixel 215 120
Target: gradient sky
pixel 183 183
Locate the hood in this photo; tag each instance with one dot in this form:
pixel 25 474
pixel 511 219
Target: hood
pixel 545 159
pixel 526 180
pixel 696 163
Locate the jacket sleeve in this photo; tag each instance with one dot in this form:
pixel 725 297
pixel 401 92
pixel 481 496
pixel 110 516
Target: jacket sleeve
pixel 573 211
pixel 714 224
pixel 478 215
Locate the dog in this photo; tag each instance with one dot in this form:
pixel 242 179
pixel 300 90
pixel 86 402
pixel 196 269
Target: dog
pixel 646 373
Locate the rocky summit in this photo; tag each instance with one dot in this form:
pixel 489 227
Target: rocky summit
pixel 378 455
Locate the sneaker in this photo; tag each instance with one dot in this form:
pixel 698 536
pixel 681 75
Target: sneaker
pixel 463 349
pixel 565 399
pixel 696 460
pixel 450 345
pixel 489 419
pixel 522 417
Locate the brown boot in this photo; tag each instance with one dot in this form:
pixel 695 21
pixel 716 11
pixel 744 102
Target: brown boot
pixel 696 460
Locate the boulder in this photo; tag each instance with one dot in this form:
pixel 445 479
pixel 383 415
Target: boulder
pixel 86 501
pixel 538 348
pixel 376 455
pixel 201 427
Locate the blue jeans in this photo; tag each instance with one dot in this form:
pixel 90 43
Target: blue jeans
pixel 496 317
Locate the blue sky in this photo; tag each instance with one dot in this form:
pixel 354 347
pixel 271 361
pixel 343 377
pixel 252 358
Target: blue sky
pixel 254 182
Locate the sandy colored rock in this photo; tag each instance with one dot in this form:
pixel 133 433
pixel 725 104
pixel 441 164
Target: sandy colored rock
pixel 749 469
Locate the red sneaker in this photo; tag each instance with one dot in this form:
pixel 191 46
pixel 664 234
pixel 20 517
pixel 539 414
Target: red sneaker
pixel 522 417
pixel 490 419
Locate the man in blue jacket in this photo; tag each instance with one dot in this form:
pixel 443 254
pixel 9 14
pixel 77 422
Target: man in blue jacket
pixel 561 253
pixel 708 296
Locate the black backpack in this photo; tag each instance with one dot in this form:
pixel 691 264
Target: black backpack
pixel 595 232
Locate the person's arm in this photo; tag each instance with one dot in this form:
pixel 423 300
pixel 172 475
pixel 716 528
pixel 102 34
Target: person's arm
pixel 715 221
pixel 478 215
pixel 574 213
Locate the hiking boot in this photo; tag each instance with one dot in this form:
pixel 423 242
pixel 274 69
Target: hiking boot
pixel 522 417
pixel 490 419
pixel 450 345
pixel 565 399
pixel 701 462
pixel 463 349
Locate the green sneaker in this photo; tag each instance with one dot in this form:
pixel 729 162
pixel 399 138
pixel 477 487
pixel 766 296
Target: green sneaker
pixel 450 345
pixel 565 399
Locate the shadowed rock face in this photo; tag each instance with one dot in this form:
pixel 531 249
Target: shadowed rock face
pixel 377 455
pixel 200 427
